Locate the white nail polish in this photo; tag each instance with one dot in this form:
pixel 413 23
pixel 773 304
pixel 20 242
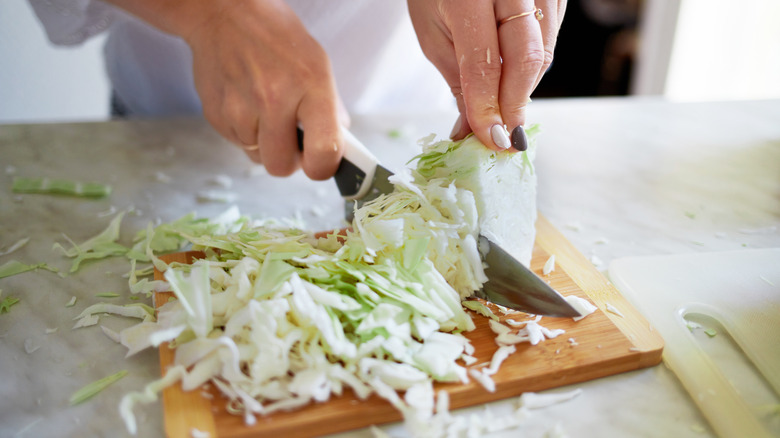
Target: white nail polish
pixel 500 136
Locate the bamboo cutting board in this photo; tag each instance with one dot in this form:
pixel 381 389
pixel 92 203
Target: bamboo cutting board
pixel 605 343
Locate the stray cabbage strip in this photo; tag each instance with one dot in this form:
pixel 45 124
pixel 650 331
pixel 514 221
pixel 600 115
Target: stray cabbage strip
pixel 532 400
pixel 86 321
pixel 20 243
pixel 101 246
pixel 481 308
pixel 147 395
pixel 549 265
pixel 60 187
pixel 144 286
pixel 583 306
pixel 6 303
pixel 14 267
pixel 134 310
pixel 107 295
pixel 91 389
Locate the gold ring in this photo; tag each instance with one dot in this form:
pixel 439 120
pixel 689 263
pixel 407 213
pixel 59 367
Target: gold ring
pixel 250 147
pixel 536 12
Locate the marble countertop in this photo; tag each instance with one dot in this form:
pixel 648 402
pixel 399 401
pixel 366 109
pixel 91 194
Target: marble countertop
pixel 618 176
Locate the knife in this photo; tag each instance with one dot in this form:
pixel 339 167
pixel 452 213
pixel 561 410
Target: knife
pixel 511 284
pixel 360 178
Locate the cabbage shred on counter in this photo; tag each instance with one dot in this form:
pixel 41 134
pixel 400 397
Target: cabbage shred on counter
pixel 277 318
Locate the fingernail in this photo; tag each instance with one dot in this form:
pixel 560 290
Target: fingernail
pixel 519 139
pixel 500 137
pixel 456 128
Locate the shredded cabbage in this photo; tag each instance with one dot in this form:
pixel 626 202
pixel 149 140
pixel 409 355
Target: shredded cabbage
pixel 549 265
pixel 503 185
pixel 277 318
pixel 60 187
pixel 101 246
pixel 532 400
pixel 135 310
pixel 18 244
pixel 14 267
pixel 583 306
pixel 6 303
pixel 90 390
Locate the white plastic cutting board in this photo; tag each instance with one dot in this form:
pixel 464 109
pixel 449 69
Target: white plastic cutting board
pixel 738 289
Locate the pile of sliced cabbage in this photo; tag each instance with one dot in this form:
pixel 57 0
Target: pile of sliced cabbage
pixel 277 318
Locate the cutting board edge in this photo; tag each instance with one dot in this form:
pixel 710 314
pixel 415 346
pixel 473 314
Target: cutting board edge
pixel 601 292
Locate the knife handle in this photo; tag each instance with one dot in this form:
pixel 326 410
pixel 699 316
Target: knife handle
pixel 356 169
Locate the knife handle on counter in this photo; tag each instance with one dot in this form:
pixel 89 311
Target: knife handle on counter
pixel 357 167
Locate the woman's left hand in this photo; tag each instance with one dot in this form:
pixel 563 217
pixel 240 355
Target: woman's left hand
pixel 491 67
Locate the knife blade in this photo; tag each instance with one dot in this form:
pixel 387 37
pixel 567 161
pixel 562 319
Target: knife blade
pixel 512 285
pixel 360 178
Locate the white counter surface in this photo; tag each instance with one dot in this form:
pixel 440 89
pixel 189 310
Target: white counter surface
pixel 619 177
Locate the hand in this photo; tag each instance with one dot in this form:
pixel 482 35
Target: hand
pixel 259 73
pixel 491 69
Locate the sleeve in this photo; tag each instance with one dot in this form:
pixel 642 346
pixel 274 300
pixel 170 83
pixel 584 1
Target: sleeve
pixel 71 22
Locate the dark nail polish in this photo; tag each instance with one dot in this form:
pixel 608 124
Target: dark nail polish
pixel 519 139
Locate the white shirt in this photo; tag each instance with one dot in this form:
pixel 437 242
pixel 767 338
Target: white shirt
pixel 376 59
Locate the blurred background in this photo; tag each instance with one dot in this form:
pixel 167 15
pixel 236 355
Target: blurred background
pixel 682 50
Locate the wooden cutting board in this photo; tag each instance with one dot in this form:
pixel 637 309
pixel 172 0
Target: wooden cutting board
pixel 605 343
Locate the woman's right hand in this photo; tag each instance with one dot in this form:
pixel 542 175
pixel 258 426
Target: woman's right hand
pixel 259 75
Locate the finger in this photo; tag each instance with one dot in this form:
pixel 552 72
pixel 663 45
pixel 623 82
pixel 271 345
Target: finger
pixel 278 140
pixel 212 112
pixel 253 152
pixel 224 125
pixel 318 115
pixel 448 67
pixel 550 24
pixel 475 39
pixel 343 115
pixel 211 95
pixel 437 46
pixel 561 8
pixel 522 52
pixel 241 116
pixel 461 128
